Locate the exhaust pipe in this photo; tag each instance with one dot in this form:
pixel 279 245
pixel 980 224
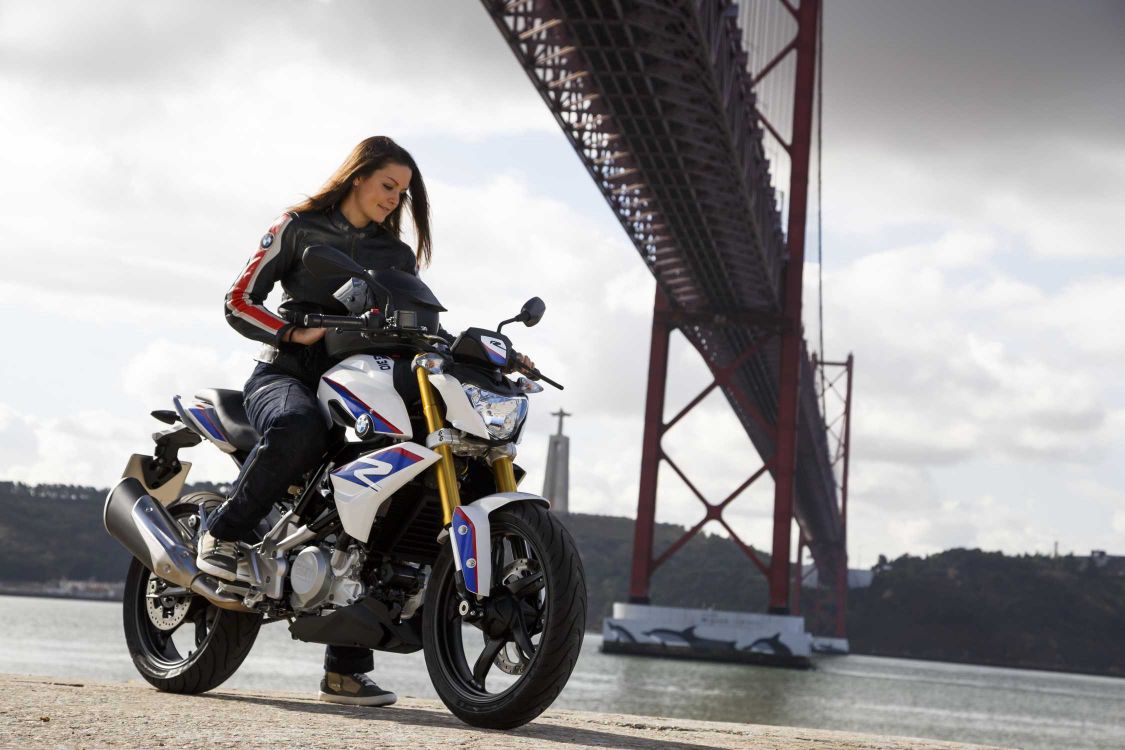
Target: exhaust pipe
pixel 151 535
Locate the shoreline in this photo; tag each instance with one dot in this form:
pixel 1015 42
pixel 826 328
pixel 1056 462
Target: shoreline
pixel 986 665
pixel 63 712
pixel 815 660
pixel 59 595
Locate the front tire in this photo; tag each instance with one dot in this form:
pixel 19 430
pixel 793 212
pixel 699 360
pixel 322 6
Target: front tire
pixel 485 674
pixel 181 643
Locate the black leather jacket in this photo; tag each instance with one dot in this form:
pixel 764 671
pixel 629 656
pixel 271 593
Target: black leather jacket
pixel 278 258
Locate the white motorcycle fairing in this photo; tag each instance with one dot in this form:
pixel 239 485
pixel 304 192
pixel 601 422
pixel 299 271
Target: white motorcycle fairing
pixel 471 537
pixel 458 411
pixel 364 384
pixel 363 486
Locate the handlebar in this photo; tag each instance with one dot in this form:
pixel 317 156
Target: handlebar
pixel 533 372
pixel 369 322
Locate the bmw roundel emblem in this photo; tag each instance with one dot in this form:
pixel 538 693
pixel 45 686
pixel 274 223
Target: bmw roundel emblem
pixel 363 425
pixel 267 239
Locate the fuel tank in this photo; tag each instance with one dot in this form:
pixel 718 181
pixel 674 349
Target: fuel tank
pixel 363 384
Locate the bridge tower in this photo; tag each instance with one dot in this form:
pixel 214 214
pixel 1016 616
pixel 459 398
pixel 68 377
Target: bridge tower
pixel 694 119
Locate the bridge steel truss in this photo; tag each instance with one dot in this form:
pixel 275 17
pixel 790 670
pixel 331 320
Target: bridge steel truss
pixel 656 99
pixel 839 429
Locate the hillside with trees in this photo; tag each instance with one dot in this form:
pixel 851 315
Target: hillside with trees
pixel 1065 613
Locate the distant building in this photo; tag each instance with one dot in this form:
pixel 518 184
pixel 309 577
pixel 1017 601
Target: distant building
pixel 556 485
pixel 1113 565
pixel 857 578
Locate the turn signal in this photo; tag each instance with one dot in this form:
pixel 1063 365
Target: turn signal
pixel 431 363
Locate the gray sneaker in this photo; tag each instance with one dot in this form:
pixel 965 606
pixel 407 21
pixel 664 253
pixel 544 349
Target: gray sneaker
pixel 217 557
pixel 354 690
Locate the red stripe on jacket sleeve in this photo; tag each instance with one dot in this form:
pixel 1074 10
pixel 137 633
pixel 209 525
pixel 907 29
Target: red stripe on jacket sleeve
pixel 239 297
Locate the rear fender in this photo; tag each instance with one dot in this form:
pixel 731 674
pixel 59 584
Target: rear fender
pixel 470 535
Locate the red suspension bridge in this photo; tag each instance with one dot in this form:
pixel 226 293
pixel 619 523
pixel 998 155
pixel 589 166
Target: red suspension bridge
pixel 695 120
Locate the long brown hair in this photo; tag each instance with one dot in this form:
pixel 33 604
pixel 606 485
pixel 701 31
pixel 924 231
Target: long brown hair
pixel 368 155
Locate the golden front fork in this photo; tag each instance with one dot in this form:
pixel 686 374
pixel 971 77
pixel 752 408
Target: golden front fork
pixel 446 476
pixel 505 475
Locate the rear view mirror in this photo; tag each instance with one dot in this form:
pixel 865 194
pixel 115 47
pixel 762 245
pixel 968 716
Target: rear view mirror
pixel 532 311
pixel 531 314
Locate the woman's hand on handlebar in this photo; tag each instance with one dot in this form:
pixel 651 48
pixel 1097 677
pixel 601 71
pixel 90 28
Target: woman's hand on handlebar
pixel 525 362
pixel 306 336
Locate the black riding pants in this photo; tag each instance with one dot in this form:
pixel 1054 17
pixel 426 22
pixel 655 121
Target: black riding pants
pixel 294 434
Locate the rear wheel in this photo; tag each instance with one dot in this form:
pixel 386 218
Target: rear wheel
pixel 505 669
pixel 180 642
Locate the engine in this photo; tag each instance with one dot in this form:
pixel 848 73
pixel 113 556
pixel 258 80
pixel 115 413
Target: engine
pixel 321 577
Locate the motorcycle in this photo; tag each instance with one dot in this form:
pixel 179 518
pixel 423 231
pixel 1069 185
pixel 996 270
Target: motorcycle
pixel 391 544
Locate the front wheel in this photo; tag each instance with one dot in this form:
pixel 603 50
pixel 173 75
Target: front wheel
pixel 180 642
pixel 508 667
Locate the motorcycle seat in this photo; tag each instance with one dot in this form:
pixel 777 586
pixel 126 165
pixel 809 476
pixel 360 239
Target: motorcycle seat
pixel 232 416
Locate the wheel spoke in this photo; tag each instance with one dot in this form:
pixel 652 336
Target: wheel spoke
pixel 451 612
pixel 528 586
pixel 520 548
pixel 520 636
pixel 166 646
pixel 484 662
pixel 200 621
pixel 497 557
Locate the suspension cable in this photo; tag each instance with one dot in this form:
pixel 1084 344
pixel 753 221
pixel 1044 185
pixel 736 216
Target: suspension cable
pixel 819 196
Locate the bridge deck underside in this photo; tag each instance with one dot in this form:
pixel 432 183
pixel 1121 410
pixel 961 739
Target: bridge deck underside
pixel 655 98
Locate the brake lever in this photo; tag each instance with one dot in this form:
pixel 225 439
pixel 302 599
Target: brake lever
pixel 534 374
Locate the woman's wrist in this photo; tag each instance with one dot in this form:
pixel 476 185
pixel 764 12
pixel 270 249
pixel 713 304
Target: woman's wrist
pixel 304 336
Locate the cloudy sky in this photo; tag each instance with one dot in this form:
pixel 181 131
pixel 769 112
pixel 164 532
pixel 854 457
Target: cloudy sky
pixel 974 179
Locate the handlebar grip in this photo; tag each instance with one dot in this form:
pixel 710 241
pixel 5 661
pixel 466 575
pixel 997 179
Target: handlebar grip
pixel 342 322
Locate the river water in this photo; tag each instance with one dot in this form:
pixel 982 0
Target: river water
pixel 1007 707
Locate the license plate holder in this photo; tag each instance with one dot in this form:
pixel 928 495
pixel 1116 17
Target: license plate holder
pixel 166 493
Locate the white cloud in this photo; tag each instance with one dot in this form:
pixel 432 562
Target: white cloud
pixel 1038 191
pixel 164 369
pixel 953 365
pixel 89 447
pixel 153 144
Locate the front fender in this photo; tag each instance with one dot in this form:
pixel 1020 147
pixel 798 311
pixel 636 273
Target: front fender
pixel 470 534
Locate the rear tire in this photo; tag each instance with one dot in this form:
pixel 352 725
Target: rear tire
pixel 222 638
pixel 554 615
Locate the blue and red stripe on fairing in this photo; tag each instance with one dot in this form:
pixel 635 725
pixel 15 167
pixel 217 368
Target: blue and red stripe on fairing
pixel 357 408
pixel 498 356
pixel 206 418
pixel 466 548
pixel 397 458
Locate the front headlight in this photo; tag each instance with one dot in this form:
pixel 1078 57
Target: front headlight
pixel 502 415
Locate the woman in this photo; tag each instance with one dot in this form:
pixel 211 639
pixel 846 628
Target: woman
pixel 359 212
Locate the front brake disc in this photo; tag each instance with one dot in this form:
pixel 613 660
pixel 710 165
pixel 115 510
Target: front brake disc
pixel 511 659
pixel 512 666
